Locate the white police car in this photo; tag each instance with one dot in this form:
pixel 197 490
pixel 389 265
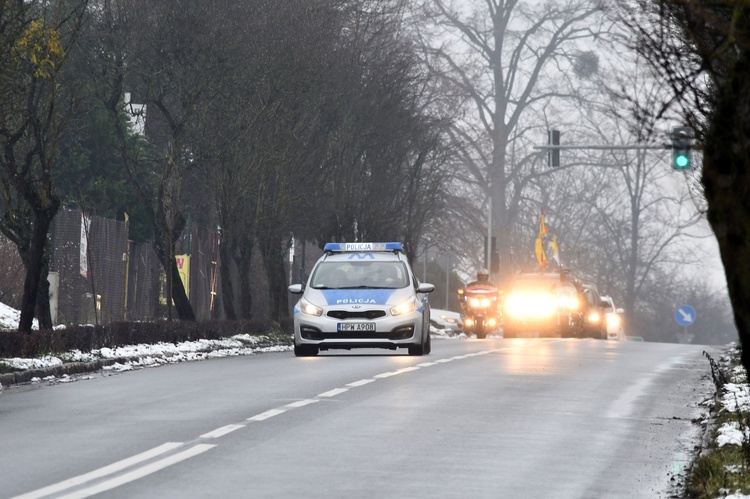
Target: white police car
pixel 362 295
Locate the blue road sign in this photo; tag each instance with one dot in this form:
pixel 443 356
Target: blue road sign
pixel 685 315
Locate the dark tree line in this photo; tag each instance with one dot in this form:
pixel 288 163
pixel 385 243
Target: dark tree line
pixel 269 119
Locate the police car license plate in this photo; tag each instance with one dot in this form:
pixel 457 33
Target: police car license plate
pixel 356 326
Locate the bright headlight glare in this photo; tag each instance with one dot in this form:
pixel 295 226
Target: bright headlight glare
pixel 594 317
pixel 536 306
pixel 613 320
pixel 480 302
pixel 568 301
pixel 308 308
pixel 404 308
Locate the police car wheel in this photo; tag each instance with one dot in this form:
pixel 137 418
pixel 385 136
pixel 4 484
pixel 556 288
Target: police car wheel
pixel 416 350
pixel 428 345
pixel 305 350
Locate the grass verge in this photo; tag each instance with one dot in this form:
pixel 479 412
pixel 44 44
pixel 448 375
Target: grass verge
pixel 723 467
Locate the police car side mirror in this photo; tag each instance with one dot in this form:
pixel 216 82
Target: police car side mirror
pixel 296 289
pixel 425 287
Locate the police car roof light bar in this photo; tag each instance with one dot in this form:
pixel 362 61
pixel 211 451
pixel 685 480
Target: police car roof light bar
pixel 362 247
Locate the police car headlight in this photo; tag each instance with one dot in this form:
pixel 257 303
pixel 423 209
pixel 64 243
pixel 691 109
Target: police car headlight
pixel 308 308
pixel 594 317
pixel 404 308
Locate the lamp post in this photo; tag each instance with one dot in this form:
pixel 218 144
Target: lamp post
pixel 447 279
pixel 487 255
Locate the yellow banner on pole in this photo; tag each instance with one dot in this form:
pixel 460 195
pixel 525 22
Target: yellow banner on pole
pixel 539 247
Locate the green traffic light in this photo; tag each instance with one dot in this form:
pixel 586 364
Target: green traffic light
pixel 681 161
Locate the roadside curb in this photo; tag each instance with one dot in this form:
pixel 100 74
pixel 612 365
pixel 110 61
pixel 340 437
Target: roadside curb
pixel 26 376
pixel 71 368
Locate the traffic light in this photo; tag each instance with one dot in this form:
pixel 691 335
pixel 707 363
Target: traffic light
pixel 553 155
pixel 682 145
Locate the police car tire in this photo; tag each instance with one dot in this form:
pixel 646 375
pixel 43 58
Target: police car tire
pixel 428 345
pixel 305 350
pixel 417 350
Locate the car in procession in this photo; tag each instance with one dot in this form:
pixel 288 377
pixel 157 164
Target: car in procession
pixel 362 295
pixel 446 320
pixel 544 303
pixel 613 319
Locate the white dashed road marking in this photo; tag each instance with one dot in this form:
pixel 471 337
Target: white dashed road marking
pixel 359 383
pixel 268 414
pixel 224 430
pixel 301 403
pixel 333 393
pixel 200 448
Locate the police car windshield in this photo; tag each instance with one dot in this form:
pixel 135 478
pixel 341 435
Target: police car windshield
pixel 352 275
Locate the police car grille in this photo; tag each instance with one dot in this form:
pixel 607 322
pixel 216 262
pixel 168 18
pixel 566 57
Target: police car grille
pixel 348 314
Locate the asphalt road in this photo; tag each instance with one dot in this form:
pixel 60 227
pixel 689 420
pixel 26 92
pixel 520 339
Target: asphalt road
pixel 476 418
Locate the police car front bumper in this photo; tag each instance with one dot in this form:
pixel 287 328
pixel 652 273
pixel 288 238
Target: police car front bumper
pixel 347 327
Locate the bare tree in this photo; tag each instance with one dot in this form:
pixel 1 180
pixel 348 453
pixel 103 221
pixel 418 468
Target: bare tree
pixel 702 52
pixel 499 58
pixel 35 41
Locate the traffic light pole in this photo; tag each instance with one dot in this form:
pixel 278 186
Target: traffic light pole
pixel 608 148
pixel 681 145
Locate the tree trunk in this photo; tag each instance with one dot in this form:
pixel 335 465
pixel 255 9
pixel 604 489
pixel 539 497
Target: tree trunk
pixel 273 260
pixel 181 302
pixel 43 313
pixel 179 295
pixel 726 179
pixel 246 280
pixel 227 284
pixel 35 259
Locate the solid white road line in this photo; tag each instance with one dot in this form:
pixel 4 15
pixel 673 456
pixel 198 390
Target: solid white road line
pixel 140 472
pixel 623 406
pixel 220 432
pixel 107 470
pixel 268 414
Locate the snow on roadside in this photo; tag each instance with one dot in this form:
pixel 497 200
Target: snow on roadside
pixel 10 317
pixel 736 398
pixel 146 355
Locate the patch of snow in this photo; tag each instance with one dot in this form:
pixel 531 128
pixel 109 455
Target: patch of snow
pixel 10 317
pixel 736 397
pixel 730 434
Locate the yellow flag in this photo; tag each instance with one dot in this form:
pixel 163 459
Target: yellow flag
pixel 539 247
pixel 555 251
